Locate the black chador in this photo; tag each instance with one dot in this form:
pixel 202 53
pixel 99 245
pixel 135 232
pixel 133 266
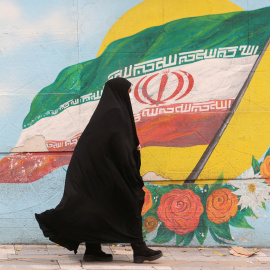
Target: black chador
pixel 103 194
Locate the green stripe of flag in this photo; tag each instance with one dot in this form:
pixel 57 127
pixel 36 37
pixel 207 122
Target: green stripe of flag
pixel 184 35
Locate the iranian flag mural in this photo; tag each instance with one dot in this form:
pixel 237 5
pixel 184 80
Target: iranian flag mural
pixel 200 96
pixel 188 75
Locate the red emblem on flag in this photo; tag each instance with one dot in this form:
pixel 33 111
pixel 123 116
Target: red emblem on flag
pixel 162 87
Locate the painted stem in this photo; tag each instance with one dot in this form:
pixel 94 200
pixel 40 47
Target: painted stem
pixel 201 163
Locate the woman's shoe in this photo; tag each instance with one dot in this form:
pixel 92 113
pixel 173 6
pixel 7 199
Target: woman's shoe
pixel 98 256
pixel 142 253
pixel 148 255
pixel 93 252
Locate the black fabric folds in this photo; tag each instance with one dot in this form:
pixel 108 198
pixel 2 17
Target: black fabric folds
pixel 103 195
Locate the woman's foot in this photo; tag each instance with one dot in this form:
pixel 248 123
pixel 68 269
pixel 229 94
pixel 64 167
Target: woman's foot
pixel 148 255
pixel 93 252
pixel 99 256
pixel 143 253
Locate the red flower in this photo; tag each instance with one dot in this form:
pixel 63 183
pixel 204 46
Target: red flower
pixel 180 210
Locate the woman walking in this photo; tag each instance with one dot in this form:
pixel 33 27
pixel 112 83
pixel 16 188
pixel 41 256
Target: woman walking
pixel 103 195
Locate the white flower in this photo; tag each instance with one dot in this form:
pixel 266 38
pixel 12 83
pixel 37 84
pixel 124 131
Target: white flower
pixel 252 192
pixel 248 174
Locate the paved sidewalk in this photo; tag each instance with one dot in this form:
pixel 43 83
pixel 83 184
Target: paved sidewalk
pixel 176 258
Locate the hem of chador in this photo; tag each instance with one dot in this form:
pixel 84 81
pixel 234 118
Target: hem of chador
pixel 68 243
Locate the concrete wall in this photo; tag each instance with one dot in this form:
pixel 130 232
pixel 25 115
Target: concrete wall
pixel 202 118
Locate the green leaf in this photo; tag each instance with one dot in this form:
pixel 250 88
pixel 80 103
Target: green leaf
pixel 221 177
pixel 222 230
pixel 144 234
pixel 164 235
pixel 202 229
pixel 215 237
pixel 152 212
pixel 204 195
pixel 201 234
pixel 206 188
pixel 263 205
pixel 239 221
pixel 216 185
pixel 247 212
pixel 268 152
pixel 198 191
pixel 188 238
pixel 230 187
pixel 255 165
pixel 179 239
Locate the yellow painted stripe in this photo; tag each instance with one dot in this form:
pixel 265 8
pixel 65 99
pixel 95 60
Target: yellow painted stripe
pixel 171 162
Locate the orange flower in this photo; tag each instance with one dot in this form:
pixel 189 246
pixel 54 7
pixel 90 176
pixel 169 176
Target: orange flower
pixel 150 224
pixel 221 205
pixel 180 210
pixel 265 169
pixel 148 202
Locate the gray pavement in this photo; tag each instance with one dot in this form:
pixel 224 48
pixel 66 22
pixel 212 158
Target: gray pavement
pixel 175 258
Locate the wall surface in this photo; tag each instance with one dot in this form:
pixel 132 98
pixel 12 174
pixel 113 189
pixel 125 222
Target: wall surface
pixel 200 71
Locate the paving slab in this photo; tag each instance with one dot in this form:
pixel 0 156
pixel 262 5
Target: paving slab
pixel 6 246
pixel 3 256
pixel 219 268
pixel 162 267
pixel 121 258
pixel 44 256
pixel 167 258
pixel 187 267
pixel 125 264
pixel 106 249
pixel 215 265
pixel 195 258
pixel 259 254
pixel 29 264
pixel 232 258
pixel 266 251
pixel 263 259
pixel 185 252
pixel 7 249
pixel 54 249
pixel 30 249
pixel 263 267
pixel 69 264
pixel 118 267
pixel 209 252
pixel 120 251
pixel 133 267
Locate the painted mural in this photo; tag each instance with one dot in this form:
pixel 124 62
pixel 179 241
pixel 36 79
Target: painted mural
pixel 180 213
pixel 200 98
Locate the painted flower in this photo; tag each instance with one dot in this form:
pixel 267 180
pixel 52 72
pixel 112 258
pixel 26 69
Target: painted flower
pixel 248 174
pixel 180 210
pixel 252 192
pixel 221 205
pixel 265 169
pixel 150 224
pixel 148 202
